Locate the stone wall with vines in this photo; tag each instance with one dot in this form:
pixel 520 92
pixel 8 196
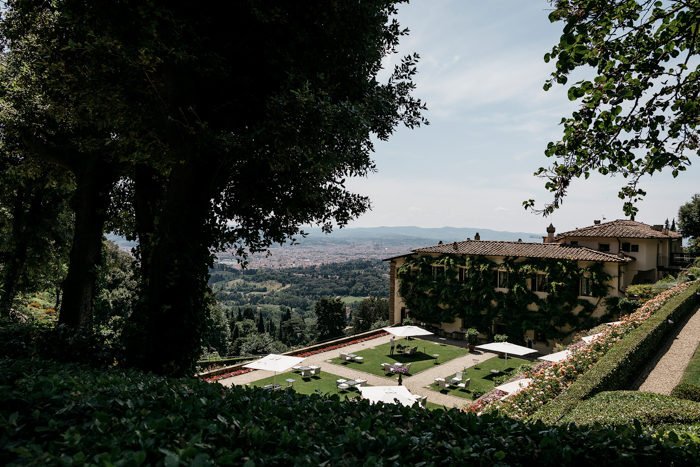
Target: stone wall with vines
pixel 476 300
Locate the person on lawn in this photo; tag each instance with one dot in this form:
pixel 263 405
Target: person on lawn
pixel 393 343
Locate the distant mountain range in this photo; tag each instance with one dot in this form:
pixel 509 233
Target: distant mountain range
pixel 414 236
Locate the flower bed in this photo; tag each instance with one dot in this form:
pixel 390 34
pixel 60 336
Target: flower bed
pixel 338 346
pixel 549 380
pixel 227 375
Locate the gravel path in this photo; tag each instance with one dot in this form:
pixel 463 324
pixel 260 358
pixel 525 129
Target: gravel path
pixel 416 383
pixel 664 372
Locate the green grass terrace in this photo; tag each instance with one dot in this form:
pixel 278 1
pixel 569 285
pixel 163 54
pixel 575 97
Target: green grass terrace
pixel 482 380
pixel 420 361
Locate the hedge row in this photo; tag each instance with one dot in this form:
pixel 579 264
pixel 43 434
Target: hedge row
pixel 625 407
pixel 622 363
pixel 53 414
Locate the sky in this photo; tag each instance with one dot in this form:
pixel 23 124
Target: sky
pixel 481 73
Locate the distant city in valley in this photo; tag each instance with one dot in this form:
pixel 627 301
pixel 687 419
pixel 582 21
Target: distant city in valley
pixel 355 243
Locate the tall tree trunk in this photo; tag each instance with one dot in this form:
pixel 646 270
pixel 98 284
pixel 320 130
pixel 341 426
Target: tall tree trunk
pixel 22 227
pixel 166 327
pixel 92 197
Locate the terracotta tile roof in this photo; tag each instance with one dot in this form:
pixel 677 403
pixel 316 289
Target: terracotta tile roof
pixel 523 250
pixel 618 229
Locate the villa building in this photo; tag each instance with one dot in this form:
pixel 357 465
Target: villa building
pixel 591 264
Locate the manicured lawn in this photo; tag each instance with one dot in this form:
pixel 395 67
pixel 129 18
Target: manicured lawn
pixel 481 377
pixel 351 299
pixel 325 382
pixel 692 371
pixel 421 360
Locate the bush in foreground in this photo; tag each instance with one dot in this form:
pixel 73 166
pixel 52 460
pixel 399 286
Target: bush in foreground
pixel 686 391
pixel 624 407
pixel 52 414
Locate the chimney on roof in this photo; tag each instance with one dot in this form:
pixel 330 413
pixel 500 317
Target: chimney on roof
pixel 440 242
pixel 477 237
pixel 520 240
pixel 596 222
pixel 657 227
pixel 664 231
pixel 550 233
pixel 454 246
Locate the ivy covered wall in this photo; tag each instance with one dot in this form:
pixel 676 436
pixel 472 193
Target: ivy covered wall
pixel 472 295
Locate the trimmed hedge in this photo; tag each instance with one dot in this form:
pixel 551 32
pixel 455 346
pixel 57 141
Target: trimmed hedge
pixel 624 407
pixel 686 391
pixel 623 362
pixel 53 414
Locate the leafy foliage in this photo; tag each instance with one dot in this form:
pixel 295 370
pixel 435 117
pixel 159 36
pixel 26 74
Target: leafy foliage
pixel 330 315
pixel 689 222
pixel 52 415
pixel 477 302
pixel 638 115
pixel 630 407
pixel 686 391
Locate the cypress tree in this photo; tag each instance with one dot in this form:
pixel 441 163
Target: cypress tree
pixel 261 323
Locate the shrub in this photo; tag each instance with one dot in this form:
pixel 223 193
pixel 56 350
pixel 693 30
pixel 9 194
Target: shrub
pixel 640 290
pixel 686 391
pixel 52 414
pixel 500 338
pixel 626 407
pixel 472 336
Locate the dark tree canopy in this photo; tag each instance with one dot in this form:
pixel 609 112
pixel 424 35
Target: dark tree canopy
pixel 689 222
pixel 201 128
pixel 639 113
pixel 330 315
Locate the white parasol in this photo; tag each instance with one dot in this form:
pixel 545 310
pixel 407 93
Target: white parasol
pixel 387 394
pixel 507 348
pixel 275 363
pixel 408 331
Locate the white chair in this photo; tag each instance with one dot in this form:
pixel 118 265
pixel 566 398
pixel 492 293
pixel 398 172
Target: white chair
pixel 343 357
pixel 444 385
pixel 296 368
pixel 465 384
pixel 457 378
pixel 408 367
pixel 359 359
pixel 315 370
pixel 361 382
pixel 386 367
pixel 340 381
pixel 305 373
pixel 343 387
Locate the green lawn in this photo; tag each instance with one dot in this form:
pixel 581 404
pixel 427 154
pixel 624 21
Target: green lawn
pixel 692 371
pixel 481 377
pixel 325 382
pixel 421 360
pixel 348 300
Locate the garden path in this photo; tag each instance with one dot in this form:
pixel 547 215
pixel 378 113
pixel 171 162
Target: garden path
pixel 416 383
pixel 664 372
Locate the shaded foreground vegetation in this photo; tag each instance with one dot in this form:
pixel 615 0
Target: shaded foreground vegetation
pixel 54 414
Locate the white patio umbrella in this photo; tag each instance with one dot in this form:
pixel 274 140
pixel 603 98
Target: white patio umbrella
pixel 275 363
pixel 556 357
pixel 408 331
pixel 387 394
pixel 507 348
pixel 515 386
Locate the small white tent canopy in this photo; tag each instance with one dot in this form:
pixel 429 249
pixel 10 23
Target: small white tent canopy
pixel 556 357
pixel 275 363
pixel 387 394
pixel 515 386
pixel 407 331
